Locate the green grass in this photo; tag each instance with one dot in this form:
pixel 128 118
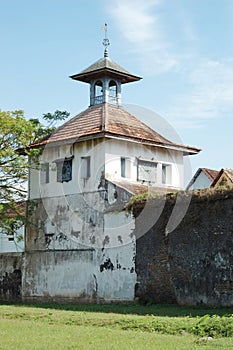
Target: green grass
pixel 53 326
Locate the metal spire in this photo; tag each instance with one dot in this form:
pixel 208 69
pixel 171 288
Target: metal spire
pixel 106 41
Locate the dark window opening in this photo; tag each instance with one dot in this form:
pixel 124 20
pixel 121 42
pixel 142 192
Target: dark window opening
pixel 64 169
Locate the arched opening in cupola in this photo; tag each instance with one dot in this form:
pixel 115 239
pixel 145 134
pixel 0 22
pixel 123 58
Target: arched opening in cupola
pixel 113 91
pixel 98 92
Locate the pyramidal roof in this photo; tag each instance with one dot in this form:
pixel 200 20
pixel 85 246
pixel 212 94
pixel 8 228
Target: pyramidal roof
pixel 105 66
pixel 106 120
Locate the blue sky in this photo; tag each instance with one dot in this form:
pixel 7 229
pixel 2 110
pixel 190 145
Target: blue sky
pixel 183 49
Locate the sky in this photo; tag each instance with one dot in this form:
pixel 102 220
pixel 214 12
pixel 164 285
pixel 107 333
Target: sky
pixel 183 49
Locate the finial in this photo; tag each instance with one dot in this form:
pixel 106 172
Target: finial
pixel 106 41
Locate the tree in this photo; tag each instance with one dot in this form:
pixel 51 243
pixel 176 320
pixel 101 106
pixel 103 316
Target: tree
pixel 16 133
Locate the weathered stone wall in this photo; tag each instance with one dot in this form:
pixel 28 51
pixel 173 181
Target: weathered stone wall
pixel 77 250
pixel 84 275
pixel 193 264
pixel 10 276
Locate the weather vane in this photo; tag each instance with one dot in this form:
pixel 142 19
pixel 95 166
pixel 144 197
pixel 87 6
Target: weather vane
pixel 106 41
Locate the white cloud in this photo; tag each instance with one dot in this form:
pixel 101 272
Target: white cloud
pixel 134 20
pixel 207 83
pixel 140 25
pixel 210 96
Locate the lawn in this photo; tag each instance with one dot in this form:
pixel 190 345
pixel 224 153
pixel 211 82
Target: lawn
pixel 109 327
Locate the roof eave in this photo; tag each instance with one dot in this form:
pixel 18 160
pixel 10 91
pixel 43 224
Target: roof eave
pixel 185 149
pixel 87 77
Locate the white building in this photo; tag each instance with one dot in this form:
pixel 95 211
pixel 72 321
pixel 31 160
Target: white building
pixel 12 243
pixel 12 237
pixel 80 242
pixel 203 178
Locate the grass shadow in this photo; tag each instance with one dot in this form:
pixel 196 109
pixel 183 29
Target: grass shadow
pixel 170 310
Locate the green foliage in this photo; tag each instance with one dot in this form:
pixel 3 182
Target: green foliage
pixel 140 199
pixel 52 119
pixel 16 133
pixel 213 326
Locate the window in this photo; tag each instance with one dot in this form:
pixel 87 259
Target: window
pixel 166 174
pixel 147 171
pixel 64 169
pixel 125 167
pixel 86 167
pixel 44 173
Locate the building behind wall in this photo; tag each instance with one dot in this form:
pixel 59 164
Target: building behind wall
pixel 12 232
pixel 80 242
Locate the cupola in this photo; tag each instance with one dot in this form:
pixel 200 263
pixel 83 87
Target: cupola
pixel 105 78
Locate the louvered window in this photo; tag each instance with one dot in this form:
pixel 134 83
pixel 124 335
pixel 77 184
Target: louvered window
pixel 147 171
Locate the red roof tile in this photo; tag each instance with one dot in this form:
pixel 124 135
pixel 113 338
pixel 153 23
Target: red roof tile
pixel 228 172
pixel 110 121
pixel 210 173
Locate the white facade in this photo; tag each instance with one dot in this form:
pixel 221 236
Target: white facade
pixel 202 181
pixel 12 243
pixel 85 213
pixel 133 153
pixel 105 160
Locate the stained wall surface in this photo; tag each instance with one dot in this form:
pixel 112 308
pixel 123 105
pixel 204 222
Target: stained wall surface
pixel 10 276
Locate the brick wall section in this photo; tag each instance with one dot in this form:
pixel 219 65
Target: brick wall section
pixel 10 276
pixel 193 264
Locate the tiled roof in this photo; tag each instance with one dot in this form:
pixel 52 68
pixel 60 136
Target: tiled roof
pixel 210 173
pixel 137 188
pixel 105 64
pixel 110 121
pixel 227 172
